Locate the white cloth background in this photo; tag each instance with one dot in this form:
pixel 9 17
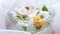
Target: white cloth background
pixel 6 4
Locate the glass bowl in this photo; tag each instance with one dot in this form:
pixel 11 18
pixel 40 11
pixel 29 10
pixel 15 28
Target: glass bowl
pixel 12 24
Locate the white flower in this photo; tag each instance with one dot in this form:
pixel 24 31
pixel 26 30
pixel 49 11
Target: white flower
pixel 44 15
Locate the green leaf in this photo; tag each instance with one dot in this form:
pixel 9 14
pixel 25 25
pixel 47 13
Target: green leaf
pixel 44 8
pixel 22 17
pixel 25 16
pixel 32 33
pixel 19 16
pixel 11 14
pixel 26 22
pixel 25 28
pixel 38 27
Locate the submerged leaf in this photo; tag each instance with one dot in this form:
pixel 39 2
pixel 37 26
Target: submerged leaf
pixel 25 16
pixel 19 16
pixel 38 27
pixel 25 28
pixel 22 17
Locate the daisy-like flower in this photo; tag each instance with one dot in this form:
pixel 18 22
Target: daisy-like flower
pixel 28 9
pixel 44 15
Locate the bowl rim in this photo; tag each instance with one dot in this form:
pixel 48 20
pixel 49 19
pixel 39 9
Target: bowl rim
pixel 15 31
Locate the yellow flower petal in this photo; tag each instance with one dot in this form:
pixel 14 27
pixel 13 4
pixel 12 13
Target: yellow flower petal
pixel 35 18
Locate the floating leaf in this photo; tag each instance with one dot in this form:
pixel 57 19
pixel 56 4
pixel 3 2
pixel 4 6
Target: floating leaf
pixel 44 8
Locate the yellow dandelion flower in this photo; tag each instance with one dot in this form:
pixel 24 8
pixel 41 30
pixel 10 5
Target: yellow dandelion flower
pixel 38 23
